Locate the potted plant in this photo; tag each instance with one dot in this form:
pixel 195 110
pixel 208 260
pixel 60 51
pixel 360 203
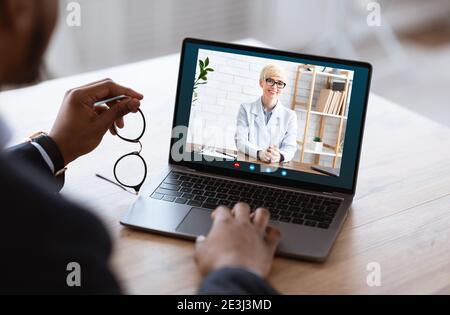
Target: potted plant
pixel 317 144
pixel 202 77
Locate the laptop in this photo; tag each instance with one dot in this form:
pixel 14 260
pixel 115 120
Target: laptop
pixel 218 132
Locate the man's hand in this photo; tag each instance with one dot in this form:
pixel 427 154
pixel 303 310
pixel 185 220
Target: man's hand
pixel 238 239
pixel 79 126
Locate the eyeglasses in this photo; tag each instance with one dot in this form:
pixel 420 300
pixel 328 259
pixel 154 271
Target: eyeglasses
pixel 125 167
pixel 272 82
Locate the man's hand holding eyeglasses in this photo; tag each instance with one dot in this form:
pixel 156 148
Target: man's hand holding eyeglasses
pixel 80 126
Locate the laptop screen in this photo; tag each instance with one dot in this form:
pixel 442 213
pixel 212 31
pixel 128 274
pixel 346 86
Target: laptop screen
pixel 272 116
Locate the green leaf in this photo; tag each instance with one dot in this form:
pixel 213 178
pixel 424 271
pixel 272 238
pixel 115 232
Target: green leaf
pixel 207 61
pixel 209 69
pixel 205 78
pixel 200 62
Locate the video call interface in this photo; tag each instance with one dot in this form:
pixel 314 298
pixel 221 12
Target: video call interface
pixel 268 115
pixel 274 115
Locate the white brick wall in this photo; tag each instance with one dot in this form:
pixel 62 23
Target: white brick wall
pixel 235 80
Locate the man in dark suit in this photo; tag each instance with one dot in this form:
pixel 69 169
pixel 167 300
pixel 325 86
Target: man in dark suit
pixel 41 233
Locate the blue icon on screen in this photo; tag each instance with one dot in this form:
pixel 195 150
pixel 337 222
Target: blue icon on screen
pixel 251 167
pixel 283 173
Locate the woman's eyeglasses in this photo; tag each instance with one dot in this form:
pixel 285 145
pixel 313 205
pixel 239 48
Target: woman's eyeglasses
pixel 272 82
pixel 130 164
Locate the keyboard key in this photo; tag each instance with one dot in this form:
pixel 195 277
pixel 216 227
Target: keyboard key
pixel 168 192
pixel 197 191
pixel 200 198
pixel 225 203
pixel 173 176
pixel 310 223
pixel 298 215
pixel 181 200
pixel 186 190
pixel 209 194
pixel 212 200
pixel 270 204
pixel 323 225
pixel 307 211
pixel 188 196
pixel 285 213
pixel 275 217
pixel 194 203
pixel 157 195
pixel 274 211
pixel 315 218
pixel 285 219
pixel 169 198
pixel 172 181
pixel 209 205
pixel 294 208
pixel 298 221
pixel 169 187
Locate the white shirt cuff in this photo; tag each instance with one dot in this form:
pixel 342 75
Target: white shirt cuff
pixel 45 156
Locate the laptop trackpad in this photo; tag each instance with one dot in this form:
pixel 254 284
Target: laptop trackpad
pixel 197 222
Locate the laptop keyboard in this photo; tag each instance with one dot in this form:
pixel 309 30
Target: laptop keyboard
pixel 284 206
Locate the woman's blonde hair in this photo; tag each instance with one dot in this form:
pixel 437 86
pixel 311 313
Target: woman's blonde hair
pixel 272 70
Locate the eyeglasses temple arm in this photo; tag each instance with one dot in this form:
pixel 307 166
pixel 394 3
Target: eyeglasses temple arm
pixel 114 183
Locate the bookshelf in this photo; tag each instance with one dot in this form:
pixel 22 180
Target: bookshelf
pixel 331 110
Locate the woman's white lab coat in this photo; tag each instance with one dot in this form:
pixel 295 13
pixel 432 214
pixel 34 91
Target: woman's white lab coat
pixel 252 133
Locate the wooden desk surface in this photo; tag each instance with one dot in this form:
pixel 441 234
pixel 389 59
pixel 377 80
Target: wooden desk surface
pixel 400 217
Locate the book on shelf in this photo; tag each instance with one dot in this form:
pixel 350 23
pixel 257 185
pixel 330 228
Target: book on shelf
pixel 330 102
pixel 323 99
pixel 336 98
pixel 341 105
pixel 337 108
pixel 327 108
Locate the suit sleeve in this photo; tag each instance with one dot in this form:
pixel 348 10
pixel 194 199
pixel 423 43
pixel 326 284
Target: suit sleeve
pixel 42 234
pixel 28 154
pixel 235 281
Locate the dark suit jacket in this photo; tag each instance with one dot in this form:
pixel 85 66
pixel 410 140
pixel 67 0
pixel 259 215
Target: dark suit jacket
pixel 41 233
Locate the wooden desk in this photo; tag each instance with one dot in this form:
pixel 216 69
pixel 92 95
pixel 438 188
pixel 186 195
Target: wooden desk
pixel 400 217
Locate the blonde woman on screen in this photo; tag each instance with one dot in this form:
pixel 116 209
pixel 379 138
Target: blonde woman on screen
pixel 265 129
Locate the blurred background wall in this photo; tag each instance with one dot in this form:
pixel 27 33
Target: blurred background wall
pixel 410 50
